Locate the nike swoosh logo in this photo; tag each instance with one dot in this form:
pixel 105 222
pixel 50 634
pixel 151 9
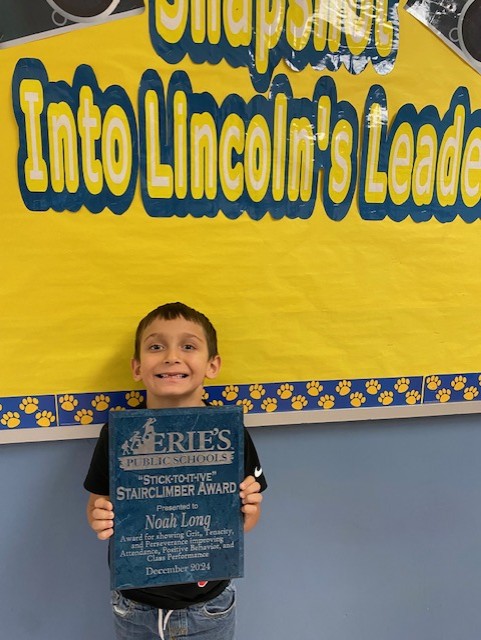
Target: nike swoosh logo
pixel 257 472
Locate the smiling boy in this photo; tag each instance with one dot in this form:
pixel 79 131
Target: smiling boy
pixel 172 360
pixel 175 350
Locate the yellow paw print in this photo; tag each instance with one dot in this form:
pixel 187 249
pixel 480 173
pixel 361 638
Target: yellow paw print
pixel 245 404
pixel 443 395
pixel 344 387
pixel 386 397
pixel 412 397
pixel 257 391
pixel 84 416
pixel 117 408
pixel 269 405
pixel 29 405
pixel 298 402
pixel 44 418
pixel 326 402
pixel 134 398
pixel 205 395
pixel 433 382
pixel 230 392
pixel 10 419
pixel 459 383
pixel 357 399
pixel 217 403
pixel 314 388
pixel 101 402
pixel 402 385
pixel 68 403
pixel 285 391
pixel 470 393
pixel 372 387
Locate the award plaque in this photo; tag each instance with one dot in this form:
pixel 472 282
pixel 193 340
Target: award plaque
pixel 174 484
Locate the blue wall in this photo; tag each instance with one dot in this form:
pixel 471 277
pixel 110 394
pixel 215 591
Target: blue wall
pixel 370 531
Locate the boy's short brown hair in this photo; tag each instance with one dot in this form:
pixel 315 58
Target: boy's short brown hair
pixel 171 311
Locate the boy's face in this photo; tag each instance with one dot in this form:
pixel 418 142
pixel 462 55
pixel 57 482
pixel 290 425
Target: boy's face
pixel 174 360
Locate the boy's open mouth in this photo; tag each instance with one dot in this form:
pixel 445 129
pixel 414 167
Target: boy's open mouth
pixel 171 375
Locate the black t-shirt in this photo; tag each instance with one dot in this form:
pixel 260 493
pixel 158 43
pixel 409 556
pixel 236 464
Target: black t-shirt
pixel 173 596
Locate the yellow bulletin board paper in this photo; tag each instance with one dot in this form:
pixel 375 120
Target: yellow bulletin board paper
pixel 307 176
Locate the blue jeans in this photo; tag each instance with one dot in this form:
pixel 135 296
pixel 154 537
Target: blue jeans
pixel 211 620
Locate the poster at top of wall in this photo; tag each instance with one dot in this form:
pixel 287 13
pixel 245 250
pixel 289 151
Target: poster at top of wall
pixel 305 173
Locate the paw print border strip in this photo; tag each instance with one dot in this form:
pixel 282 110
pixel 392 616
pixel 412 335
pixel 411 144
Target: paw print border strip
pixel 263 403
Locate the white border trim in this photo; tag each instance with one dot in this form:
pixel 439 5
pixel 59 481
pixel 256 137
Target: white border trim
pixel 349 415
pixel 274 419
pixel 44 434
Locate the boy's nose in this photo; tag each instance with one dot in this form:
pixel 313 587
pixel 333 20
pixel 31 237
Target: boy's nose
pixel 171 355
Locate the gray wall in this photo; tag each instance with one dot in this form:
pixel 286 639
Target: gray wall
pixel 370 531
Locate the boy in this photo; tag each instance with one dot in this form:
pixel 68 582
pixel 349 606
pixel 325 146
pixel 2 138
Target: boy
pixel 175 350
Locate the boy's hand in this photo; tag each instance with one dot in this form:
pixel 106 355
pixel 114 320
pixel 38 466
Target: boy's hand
pixel 100 515
pixel 251 499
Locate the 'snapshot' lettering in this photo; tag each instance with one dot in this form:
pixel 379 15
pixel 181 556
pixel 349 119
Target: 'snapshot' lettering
pixel 257 34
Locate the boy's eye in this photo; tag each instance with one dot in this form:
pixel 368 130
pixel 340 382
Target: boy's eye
pixel 189 347
pixel 155 347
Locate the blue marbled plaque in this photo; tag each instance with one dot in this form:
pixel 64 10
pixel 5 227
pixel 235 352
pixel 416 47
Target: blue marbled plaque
pixel 174 476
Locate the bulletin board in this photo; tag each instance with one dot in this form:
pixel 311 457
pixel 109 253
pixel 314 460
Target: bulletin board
pixel 306 173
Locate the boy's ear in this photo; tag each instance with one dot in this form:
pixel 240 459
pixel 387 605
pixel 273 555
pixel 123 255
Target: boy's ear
pixel 135 366
pixel 213 367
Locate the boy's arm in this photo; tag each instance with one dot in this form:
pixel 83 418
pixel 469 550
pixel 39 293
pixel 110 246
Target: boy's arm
pixel 251 499
pixel 100 515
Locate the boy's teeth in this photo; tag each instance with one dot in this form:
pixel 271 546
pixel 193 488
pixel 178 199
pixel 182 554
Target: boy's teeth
pixel 173 375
